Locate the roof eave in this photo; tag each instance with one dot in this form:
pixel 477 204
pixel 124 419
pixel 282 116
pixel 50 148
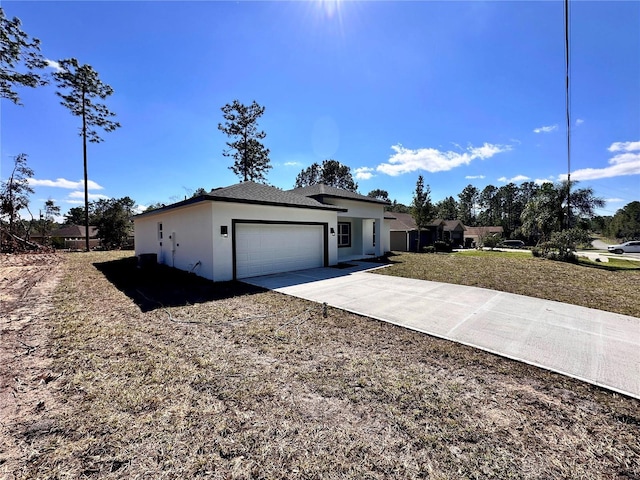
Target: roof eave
pixel 372 200
pixel 213 198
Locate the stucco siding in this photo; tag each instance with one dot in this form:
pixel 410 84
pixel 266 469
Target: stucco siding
pixel 186 238
pixel 363 210
pixel 386 236
pixel 199 237
pixel 225 213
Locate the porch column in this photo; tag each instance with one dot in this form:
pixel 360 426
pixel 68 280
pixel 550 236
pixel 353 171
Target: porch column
pixel 379 240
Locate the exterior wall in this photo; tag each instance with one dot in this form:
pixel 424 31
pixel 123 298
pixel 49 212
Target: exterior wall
pixel 358 210
pixel 368 247
pixel 455 236
pixel 80 243
pixel 386 236
pixel 193 239
pixel 399 241
pixel 186 238
pixel 356 247
pixel 225 212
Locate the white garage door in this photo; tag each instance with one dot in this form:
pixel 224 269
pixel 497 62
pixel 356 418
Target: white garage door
pixel 262 249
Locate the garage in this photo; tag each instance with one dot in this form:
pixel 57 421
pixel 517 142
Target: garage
pixel 398 241
pixel 265 248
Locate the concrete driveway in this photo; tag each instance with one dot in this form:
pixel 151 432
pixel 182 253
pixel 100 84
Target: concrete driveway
pixel 598 347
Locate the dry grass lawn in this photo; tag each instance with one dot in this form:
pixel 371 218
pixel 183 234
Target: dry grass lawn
pixel 230 382
pixel 521 273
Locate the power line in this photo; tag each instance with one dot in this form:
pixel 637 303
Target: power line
pixel 568 109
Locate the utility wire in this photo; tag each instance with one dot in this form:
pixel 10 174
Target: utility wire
pixel 568 109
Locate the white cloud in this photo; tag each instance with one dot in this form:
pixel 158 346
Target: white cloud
pixel 622 164
pixel 140 208
pixel 64 183
pixel 406 160
pixel 364 173
pixel 517 178
pixel 624 147
pixel 579 121
pixel 547 129
pixel 540 181
pixel 474 177
pixel 292 164
pixel 80 195
pixel 614 200
pixel 55 65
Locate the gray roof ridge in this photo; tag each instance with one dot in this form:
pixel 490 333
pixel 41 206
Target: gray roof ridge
pixel 330 191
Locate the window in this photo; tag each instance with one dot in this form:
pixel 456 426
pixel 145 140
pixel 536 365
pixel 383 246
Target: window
pixel 159 230
pixel 374 234
pixel 344 234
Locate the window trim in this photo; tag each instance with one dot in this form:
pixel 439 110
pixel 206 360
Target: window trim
pixel 346 234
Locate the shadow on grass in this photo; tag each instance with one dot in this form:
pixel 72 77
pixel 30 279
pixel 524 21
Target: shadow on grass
pixel 607 266
pixel 160 286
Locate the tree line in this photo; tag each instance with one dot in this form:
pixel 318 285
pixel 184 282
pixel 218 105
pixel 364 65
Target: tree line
pixel 79 88
pixel 527 211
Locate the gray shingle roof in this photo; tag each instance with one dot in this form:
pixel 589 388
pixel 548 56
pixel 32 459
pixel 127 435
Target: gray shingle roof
pixel 402 222
pixel 75 231
pixel 257 192
pixel 253 193
pixel 322 190
pixel 405 222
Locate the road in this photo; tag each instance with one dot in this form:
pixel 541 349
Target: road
pixel 600 245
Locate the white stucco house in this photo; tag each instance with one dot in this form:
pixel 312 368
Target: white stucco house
pixel 250 229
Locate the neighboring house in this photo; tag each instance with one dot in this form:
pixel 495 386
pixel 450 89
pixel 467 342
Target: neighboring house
pixel 473 235
pixel 453 231
pixel 404 232
pixel 72 237
pixel 250 229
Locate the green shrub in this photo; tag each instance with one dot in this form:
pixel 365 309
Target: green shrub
pixel 58 242
pixel 490 241
pixel 562 245
pixel 429 249
pixel 441 246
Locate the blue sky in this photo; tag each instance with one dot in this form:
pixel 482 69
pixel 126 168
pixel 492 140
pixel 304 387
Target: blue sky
pixel 459 92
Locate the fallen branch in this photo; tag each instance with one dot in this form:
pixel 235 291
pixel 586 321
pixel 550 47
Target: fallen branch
pixel 17 243
pixel 30 348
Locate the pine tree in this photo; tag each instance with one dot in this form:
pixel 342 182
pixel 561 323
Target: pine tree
pixel 250 157
pixel 83 86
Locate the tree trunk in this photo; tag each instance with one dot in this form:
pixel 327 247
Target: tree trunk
pixel 86 174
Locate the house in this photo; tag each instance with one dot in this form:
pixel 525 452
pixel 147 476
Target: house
pixel 251 229
pixel 453 232
pixel 71 236
pixel 473 235
pixel 404 232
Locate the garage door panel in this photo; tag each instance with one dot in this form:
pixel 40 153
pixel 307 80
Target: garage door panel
pixel 262 249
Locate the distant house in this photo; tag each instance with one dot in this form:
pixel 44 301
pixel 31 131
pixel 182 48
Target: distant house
pixel 453 231
pixel 473 235
pixel 250 229
pixel 403 232
pixel 73 237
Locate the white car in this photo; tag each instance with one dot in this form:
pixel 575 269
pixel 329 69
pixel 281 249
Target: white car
pixel 628 247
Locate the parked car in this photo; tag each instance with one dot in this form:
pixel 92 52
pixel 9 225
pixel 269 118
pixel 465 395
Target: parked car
pixel 628 247
pixel 511 244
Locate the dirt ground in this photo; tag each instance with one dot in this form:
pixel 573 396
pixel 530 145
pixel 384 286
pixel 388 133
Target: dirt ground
pixel 26 284
pixel 107 371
